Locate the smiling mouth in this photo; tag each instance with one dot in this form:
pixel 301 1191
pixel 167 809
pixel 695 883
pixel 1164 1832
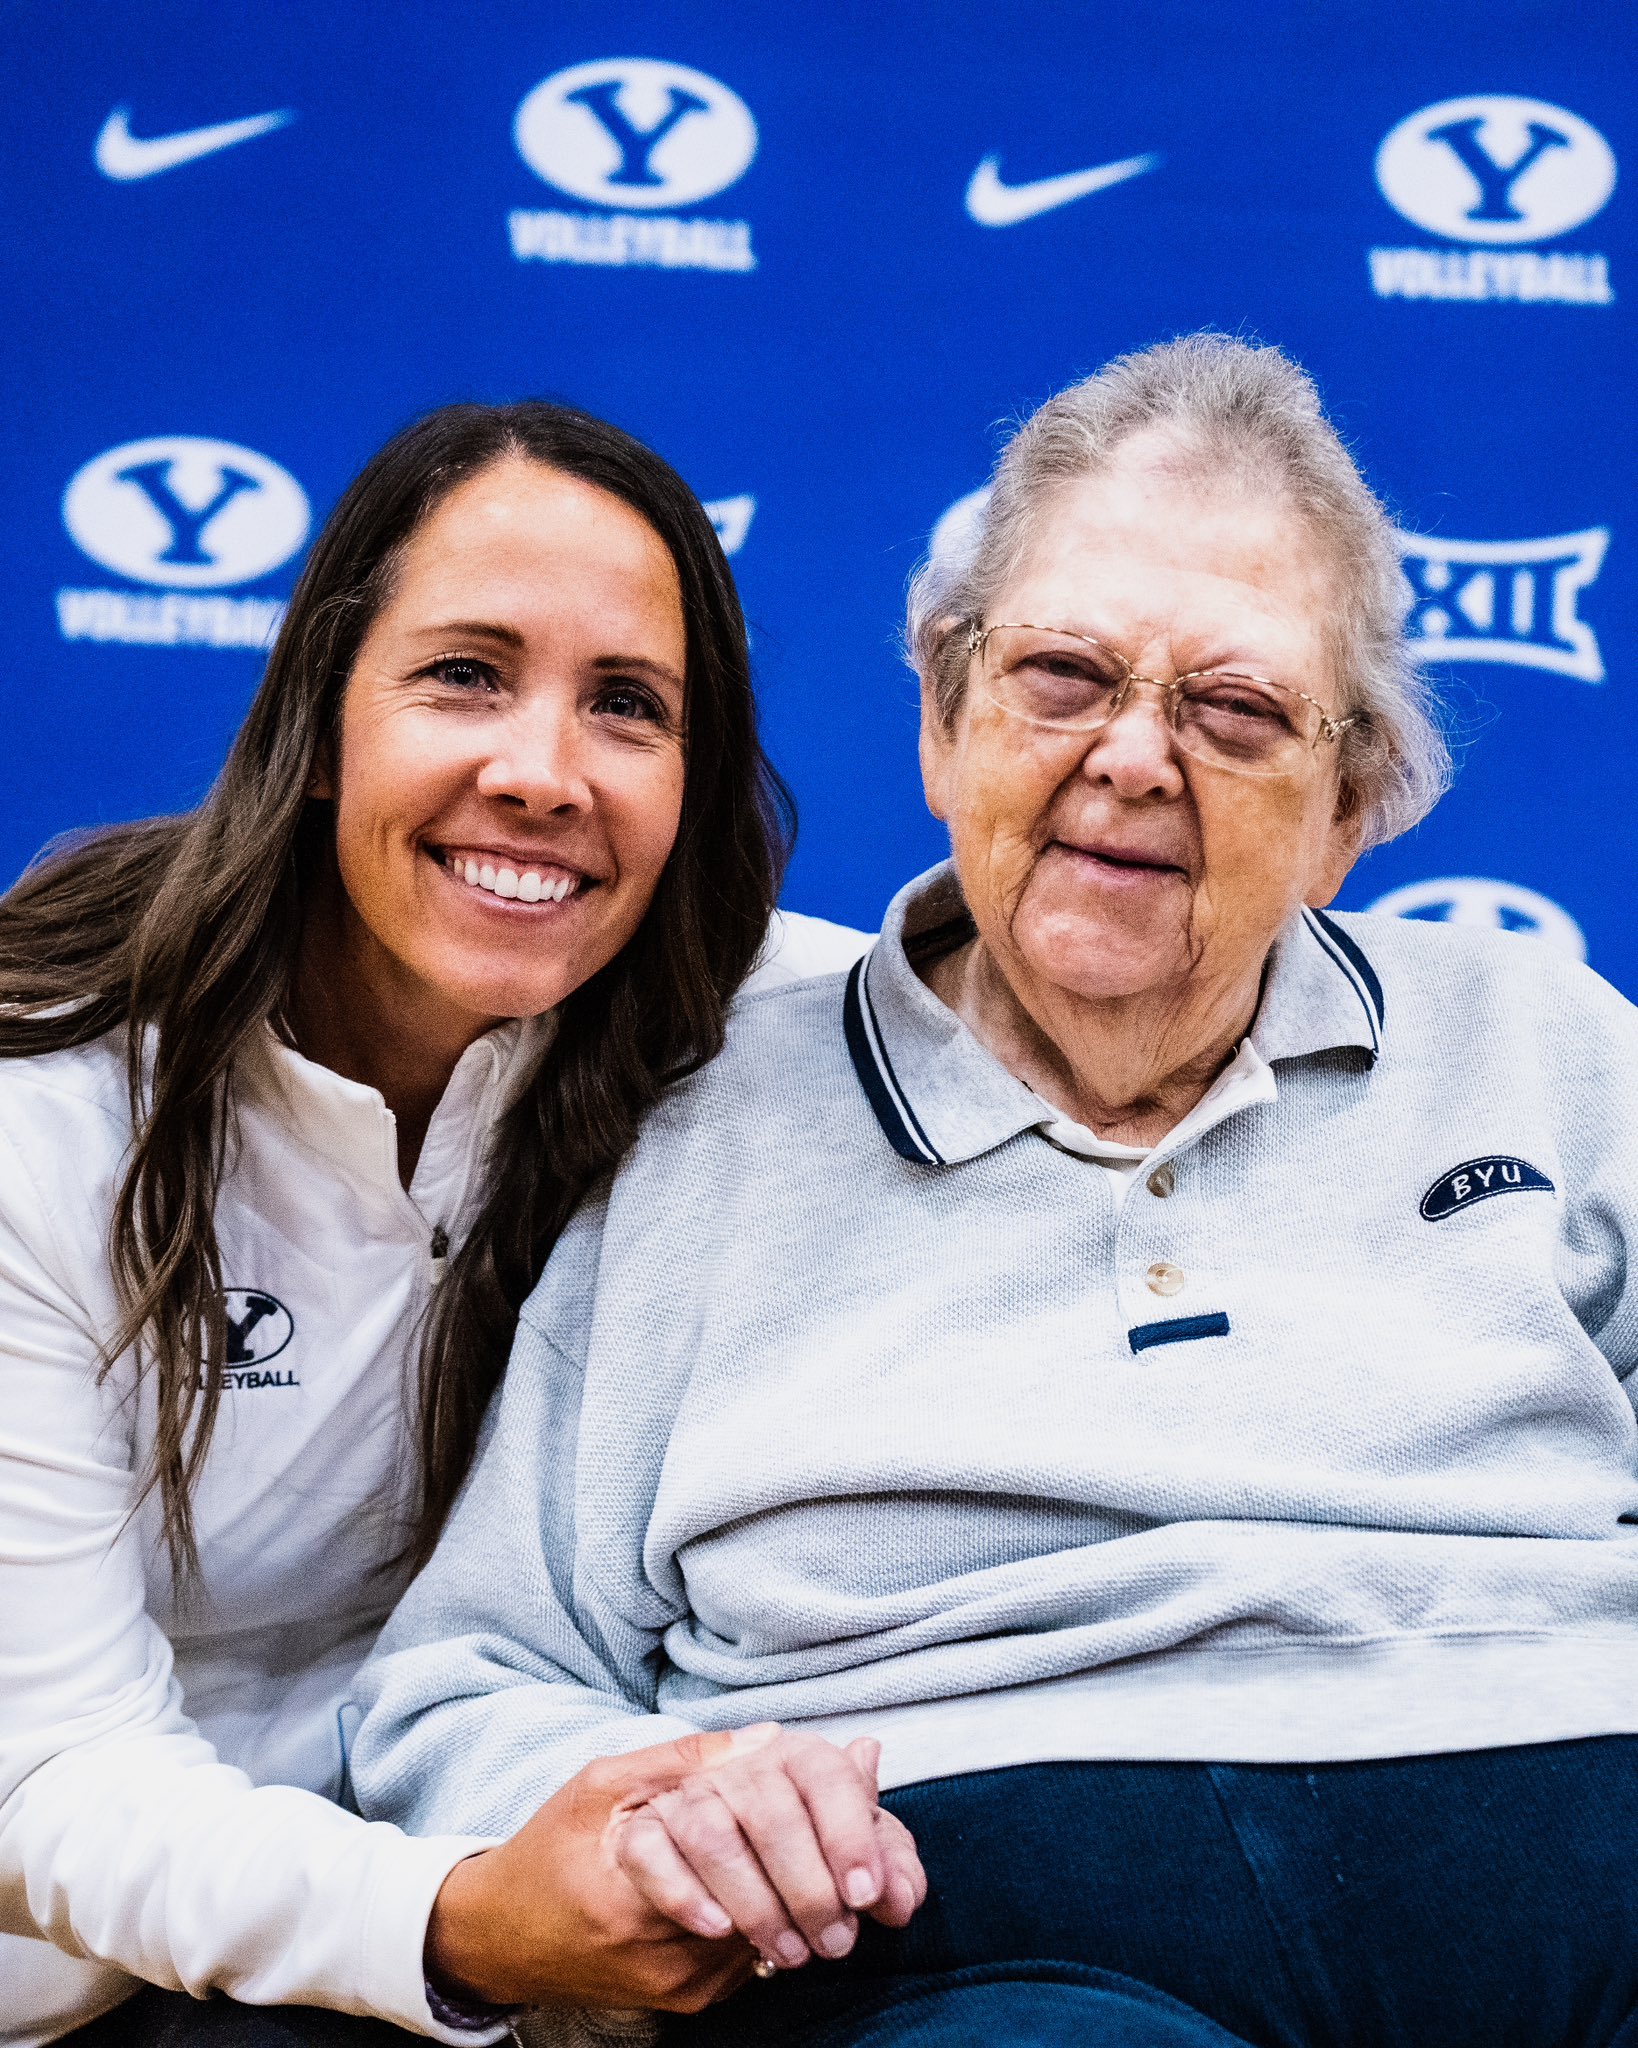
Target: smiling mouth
pixel 1122 863
pixel 511 877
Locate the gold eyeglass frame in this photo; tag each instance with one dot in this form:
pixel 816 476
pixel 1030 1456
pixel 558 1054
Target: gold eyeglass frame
pixel 1329 728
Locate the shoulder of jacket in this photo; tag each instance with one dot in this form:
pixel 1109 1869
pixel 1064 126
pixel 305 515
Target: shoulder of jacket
pixel 558 1307
pixel 58 1098
pixel 65 1130
pixel 776 1010
pixel 798 946
pixel 779 1041
pixel 1435 946
pixel 1483 984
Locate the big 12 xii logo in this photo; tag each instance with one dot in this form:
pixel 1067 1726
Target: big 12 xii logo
pixel 1516 602
pixel 1512 602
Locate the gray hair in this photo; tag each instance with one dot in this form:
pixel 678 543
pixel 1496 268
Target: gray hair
pixel 1226 407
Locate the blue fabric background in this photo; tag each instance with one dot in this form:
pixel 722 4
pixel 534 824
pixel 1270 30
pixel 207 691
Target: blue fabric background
pixel 303 293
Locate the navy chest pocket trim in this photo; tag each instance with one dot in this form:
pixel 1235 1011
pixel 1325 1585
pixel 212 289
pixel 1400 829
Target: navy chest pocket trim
pixel 1476 1180
pixel 1177 1330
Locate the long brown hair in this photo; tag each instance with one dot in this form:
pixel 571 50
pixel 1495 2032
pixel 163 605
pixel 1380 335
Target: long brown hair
pixel 183 933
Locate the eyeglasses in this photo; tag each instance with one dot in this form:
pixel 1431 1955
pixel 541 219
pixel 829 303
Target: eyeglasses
pixel 1068 682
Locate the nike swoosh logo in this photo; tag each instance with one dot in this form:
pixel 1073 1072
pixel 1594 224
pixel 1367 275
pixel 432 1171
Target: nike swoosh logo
pixel 994 205
pixel 122 155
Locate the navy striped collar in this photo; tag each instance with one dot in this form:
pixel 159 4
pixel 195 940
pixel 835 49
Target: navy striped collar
pixel 940 1097
pixel 1303 1011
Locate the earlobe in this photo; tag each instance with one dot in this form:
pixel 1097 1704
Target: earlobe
pixel 933 748
pixel 1344 843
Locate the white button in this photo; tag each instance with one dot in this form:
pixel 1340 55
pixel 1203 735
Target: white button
pixel 1162 1181
pixel 1165 1279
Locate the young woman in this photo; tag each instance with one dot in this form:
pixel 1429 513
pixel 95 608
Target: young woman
pixel 296 1093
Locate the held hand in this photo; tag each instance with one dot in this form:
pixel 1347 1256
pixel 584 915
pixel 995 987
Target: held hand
pixel 552 1916
pixel 783 1840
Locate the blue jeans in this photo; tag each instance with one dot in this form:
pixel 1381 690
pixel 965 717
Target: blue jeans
pixel 1485 1900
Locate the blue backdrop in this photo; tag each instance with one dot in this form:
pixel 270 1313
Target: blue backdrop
pixel 816 256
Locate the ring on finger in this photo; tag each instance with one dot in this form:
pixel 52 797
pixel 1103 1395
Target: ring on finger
pixel 764 1967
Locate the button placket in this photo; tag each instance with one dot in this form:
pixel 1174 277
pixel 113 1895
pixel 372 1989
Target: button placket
pixel 1153 1245
pixel 1164 1277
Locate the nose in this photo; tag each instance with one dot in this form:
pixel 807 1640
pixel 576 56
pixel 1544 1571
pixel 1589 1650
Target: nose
pixel 1135 754
pixel 540 760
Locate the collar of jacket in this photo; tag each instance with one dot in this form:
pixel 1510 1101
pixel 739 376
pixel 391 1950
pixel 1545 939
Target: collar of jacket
pixel 941 1098
pixel 348 1126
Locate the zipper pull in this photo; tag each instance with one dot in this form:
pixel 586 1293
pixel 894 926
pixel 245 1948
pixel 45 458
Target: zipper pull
pixel 439 1249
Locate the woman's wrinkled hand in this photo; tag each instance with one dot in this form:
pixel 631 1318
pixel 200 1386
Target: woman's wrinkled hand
pixel 550 1916
pixel 655 1879
pixel 782 1841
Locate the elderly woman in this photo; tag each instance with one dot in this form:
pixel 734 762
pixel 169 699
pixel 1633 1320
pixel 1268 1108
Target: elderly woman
pixel 1152 1356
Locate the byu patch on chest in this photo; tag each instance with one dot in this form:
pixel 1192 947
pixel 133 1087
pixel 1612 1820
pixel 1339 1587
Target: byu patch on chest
pixel 259 1326
pixel 1475 1180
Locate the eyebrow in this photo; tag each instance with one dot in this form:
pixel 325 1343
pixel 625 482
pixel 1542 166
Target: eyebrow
pixel 661 671
pixel 469 629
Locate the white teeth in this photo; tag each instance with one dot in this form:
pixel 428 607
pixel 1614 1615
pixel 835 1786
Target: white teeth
pixel 528 887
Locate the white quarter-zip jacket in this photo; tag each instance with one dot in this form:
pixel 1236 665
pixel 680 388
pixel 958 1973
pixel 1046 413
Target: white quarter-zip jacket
pixel 169 1774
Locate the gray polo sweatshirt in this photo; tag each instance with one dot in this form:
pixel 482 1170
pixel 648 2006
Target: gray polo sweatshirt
pixel 858 1402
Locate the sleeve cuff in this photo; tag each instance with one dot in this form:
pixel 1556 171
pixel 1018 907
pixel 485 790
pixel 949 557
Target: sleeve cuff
pixel 393 1969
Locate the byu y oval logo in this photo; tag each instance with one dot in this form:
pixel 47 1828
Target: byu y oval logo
pixel 1476 1180
pixel 1483 904
pixel 259 1326
pixel 1495 168
pixel 635 133
pixel 185 512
